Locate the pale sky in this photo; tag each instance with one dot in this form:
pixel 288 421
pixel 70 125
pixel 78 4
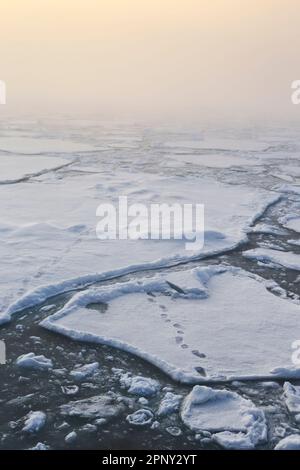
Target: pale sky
pixel 231 58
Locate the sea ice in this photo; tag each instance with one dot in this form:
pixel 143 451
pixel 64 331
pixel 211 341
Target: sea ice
pixel 286 259
pixel 140 417
pixel 33 146
pixel 81 373
pixel 138 385
pixel 291 395
pixel 175 328
pixel 14 169
pixel 100 406
pixel 31 361
pixel 169 404
pixel 34 422
pixel 48 230
pixel 289 443
pixel 234 421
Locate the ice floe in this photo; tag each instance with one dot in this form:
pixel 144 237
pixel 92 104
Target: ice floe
pixel 33 146
pixel 14 169
pixel 169 404
pixel 289 443
pixel 141 417
pixel 175 328
pixel 32 361
pixel 277 258
pixel 82 372
pixel 234 421
pixel 291 397
pixel 48 230
pixel 138 385
pixel 100 406
pixel 34 422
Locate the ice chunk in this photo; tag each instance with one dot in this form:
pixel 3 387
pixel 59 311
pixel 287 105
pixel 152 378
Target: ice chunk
pixel 286 259
pixel 100 406
pixel 234 421
pixel 85 371
pixel 140 417
pixel 71 437
pixel 40 446
pixel 31 361
pixel 35 421
pixel 169 404
pixel 289 443
pixel 292 397
pixel 177 331
pixel 138 385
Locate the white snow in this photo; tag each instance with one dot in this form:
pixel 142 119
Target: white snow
pixel 286 259
pixel 81 373
pixel 234 421
pixel 218 144
pixel 213 160
pixel 35 421
pixel 187 332
pixel 47 230
pixel 289 443
pixel 16 168
pixel 31 361
pixel 33 146
pixel 293 224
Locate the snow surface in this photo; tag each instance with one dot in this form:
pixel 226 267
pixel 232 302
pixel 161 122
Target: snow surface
pixel 32 146
pixel 234 421
pixel 214 160
pixel 176 327
pixel 47 230
pixel 293 224
pixel 16 168
pixel 285 259
pixel 219 144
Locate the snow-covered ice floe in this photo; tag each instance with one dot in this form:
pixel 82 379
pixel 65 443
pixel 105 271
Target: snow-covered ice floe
pixel 31 361
pixel 48 230
pixel 33 146
pixel 291 442
pixel 234 421
pixel 291 395
pixel 172 320
pixel 34 421
pixel 276 258
pixel 17 168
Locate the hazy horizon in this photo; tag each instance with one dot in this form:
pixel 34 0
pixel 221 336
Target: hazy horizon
pixel 192 59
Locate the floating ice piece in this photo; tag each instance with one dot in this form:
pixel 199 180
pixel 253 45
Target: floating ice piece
pixel 177 332
pixel 291 442
pixel 31 361
pixel 140 417
pixel 215 160
pixel 291 394
pixel 169 404
pixel 138 385
pixel 100 406
pixel 40 446
pixel 15 169
pixel 70 389
pixel 289 189
pixel 294 242
pixel 287 259
pixel 35 421
pixel 267 229
pixel 85 371
pixel 234 421
pixel 71 437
